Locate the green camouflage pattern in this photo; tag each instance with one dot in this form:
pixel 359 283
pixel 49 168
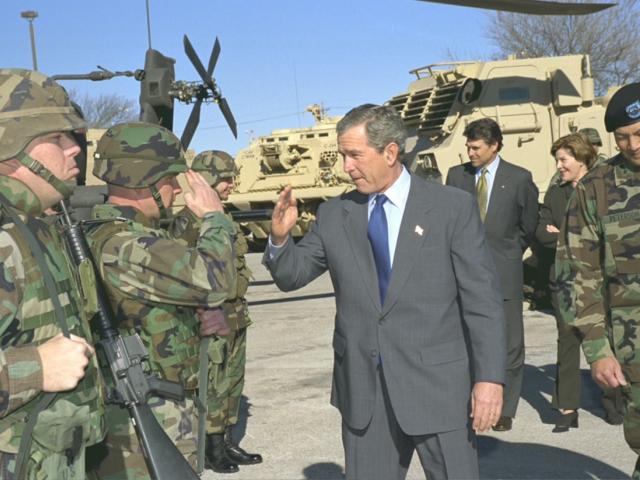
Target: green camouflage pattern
pixel 185 226
pixel 227 359
pixel 27 319
pixel 214 165
pixel 226 382
pixel 121 458
pixel 31 105
pixel 602 248
pixel 138 155
pixel 155 282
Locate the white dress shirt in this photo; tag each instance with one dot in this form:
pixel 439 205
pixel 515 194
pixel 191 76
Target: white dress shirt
pixel 397 195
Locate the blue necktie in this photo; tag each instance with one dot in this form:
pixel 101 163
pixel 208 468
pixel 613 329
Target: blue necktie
pixel 378 234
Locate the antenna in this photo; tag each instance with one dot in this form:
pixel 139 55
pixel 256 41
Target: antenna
pixel 148 25
pixel 295 86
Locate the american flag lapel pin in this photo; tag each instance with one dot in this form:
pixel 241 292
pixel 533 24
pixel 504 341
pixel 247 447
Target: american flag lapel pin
pixel 419 230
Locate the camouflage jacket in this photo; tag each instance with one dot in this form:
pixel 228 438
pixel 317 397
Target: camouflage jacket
pixel 602 248
pixel 155 282
pixel 27 320
pixel 185 226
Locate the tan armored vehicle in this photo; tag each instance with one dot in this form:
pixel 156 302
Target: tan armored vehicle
pixel 535 101
pixel 306 158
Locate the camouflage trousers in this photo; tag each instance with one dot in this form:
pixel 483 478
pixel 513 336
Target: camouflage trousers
pixel 226 381
pixel 45 466
pixel 120 457
pixel 631 394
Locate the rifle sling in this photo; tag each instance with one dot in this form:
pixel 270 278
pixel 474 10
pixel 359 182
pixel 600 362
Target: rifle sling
pixel 201 404
pixel 47 398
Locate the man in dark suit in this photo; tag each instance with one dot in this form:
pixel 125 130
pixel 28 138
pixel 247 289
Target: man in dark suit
pixel 508 203
pixel 419 315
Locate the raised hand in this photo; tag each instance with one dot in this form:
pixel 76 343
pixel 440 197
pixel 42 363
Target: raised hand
pixel 202 199
pixel 284 217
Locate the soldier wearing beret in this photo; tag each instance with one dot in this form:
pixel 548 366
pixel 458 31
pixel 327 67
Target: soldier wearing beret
pixel 603 251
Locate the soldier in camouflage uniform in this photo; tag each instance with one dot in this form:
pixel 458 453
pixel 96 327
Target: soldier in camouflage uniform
pixel 156 283
pixel 227 359
pixel 603 262
pixel 51 406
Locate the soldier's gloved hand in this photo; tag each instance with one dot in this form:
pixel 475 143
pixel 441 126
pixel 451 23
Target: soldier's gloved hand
pixel 202 199
pixel 64 361
pixel 213 322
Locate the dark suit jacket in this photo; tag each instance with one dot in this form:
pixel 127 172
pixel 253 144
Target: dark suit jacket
pixel 511 219
pixel 443 282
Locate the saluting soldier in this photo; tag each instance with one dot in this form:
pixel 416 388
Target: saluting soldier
pixel 156 283
pixel 51 406
pixel 603 262
pixel 227 358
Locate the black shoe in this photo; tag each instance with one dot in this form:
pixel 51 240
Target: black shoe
pixel 503 425
pixel 566 421
pixel 236 453
pixel 216 457
pixel 240 456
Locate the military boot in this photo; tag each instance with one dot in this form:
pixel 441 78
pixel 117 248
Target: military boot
pixel 215 457
pixel 237 454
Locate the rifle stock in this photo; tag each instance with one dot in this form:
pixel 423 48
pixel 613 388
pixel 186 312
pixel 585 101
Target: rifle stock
pixel 126 357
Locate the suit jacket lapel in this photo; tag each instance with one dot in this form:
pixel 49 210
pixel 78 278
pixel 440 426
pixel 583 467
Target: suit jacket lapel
pixel 469 179
pixel 414 228
pixel 355 225
pixel 502 176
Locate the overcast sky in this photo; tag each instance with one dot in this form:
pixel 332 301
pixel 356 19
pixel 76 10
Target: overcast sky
pixel 277 56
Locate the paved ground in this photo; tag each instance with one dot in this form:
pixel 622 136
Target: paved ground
pixel 287 416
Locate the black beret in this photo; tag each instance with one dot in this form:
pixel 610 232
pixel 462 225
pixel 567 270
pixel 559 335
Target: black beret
pixel 623 108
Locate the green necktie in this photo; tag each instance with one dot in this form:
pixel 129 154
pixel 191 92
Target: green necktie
pixel 481 193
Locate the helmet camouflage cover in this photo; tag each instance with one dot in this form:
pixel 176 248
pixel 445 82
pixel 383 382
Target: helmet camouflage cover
pixel 138 155
pixel 31 105
pixel 214 165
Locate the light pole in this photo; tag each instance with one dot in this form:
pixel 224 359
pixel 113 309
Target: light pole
pixel 31 15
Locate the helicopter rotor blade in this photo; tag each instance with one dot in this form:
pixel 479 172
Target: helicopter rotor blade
pixel 192 124
pixel 228 116
pixel 531 7
pixel 213 59
pixel 193 56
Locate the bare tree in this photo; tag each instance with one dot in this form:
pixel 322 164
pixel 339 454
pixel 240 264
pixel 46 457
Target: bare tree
pixel 105 110
pixel 611 38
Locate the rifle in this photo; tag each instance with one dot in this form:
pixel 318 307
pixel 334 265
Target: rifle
pixel 251 215
pixel 126 357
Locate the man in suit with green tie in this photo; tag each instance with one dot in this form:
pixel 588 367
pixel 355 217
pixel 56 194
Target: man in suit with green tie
pixel 508 204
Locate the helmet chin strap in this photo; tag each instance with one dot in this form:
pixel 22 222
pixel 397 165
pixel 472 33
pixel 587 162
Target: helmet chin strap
pixel 43 172
pixel 165 213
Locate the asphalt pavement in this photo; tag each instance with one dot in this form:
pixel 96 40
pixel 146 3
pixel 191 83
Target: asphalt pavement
pixel 286 415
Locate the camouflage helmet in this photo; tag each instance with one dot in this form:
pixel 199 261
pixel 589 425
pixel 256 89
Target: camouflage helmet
pixel 31 105
pixel 138 155
pixel 214 165
pixel 592 135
